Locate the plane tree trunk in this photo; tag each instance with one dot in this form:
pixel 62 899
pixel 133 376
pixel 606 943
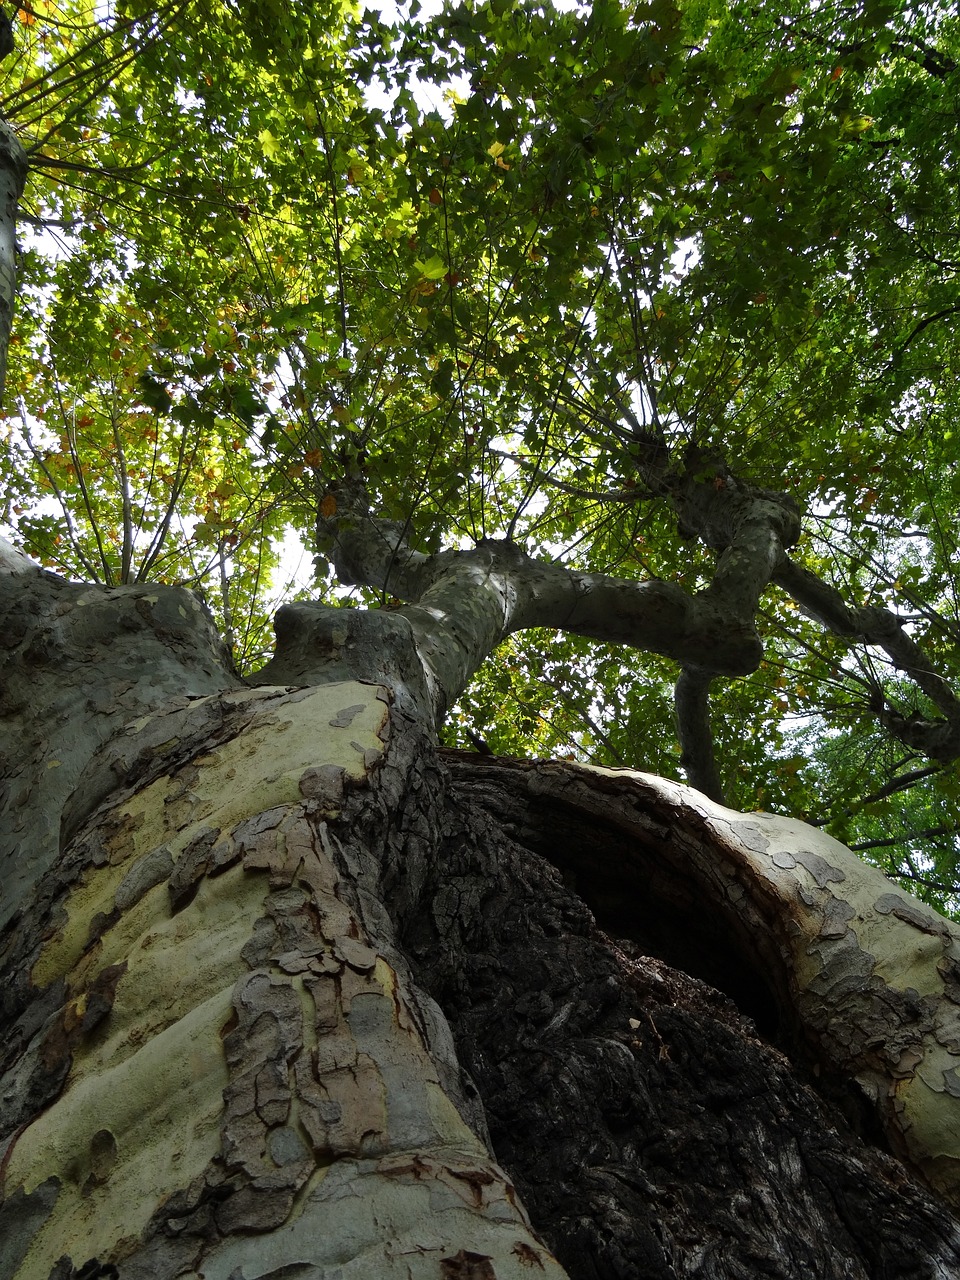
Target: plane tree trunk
pixel 13 172
pixel 288 993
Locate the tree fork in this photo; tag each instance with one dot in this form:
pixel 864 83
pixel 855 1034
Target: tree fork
pixel 482 595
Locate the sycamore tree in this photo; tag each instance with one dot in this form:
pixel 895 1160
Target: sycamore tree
pixel 603 361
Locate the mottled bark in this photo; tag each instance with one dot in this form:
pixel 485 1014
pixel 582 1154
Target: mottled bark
pixel 461 604
pixel 215 1059
pixel 280 1000
pixel 78 664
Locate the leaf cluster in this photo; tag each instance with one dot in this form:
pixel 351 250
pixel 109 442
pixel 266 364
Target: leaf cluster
pixel 512 263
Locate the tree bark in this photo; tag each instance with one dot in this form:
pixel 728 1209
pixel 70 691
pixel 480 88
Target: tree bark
pixel 286 994
pixel 13 173
pixel 656 1127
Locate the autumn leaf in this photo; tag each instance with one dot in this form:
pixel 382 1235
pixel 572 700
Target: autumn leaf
pixel 434 268
pixel 269 143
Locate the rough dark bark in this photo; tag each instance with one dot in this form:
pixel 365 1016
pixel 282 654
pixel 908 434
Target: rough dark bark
pixel 653 1131
pixel 13 173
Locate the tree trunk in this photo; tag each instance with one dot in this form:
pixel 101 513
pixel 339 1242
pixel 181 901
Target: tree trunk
pixel 13 172
pixel 288 994
pixel 660 1119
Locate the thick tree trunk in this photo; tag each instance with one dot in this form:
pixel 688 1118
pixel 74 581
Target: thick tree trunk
pixel 285 994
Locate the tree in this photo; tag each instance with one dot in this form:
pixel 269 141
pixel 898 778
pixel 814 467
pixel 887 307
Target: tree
pixel 642 344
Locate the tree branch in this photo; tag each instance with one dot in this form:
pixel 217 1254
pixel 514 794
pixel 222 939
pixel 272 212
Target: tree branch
pixel 593 495
pixel 691 698
pixel 937 739
pixel 927 833
pixel 462 604
pixel 902 782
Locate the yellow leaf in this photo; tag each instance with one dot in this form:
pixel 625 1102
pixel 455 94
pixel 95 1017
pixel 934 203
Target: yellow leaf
pixel 269 144
pixel 433 269
pixel 328 506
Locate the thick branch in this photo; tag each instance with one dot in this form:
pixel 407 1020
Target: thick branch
pixel 749 527
pixel 372 552
pixel 462 604
pixel 691 698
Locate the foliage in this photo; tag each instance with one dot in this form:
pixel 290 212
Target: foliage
pixel 486 257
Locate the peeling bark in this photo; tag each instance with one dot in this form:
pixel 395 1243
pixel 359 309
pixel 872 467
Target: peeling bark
pixel 215 1057
pixel 282 999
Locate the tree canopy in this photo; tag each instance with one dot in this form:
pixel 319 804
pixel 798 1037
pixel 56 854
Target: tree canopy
pixel 586 280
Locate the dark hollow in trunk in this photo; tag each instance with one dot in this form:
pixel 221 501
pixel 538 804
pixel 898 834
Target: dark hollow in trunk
pixel 654 1131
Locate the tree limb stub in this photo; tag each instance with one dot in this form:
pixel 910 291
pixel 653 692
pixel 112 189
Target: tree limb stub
pixel 691 698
